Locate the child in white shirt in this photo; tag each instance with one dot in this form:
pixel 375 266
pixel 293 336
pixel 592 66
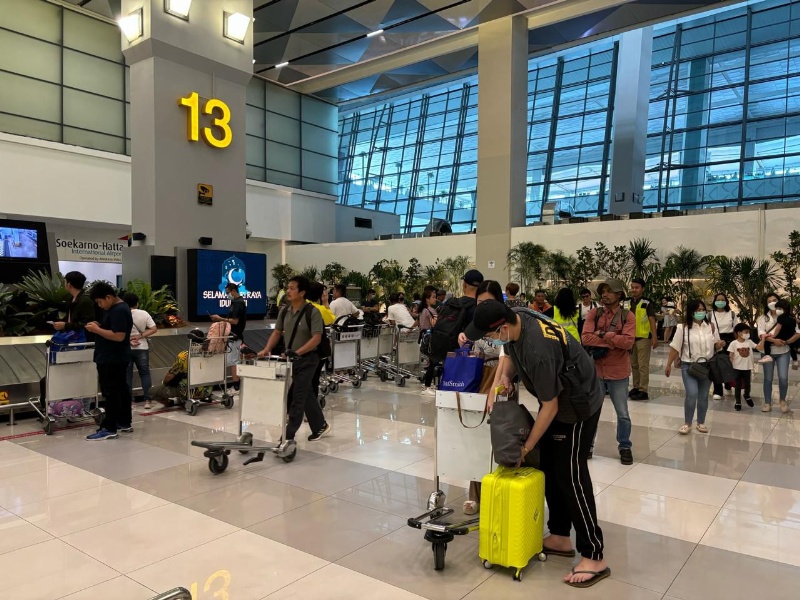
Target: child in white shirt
pixel 741 352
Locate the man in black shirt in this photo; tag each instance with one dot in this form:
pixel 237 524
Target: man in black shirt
pixel 81 309
pixel 112 353
pixel 237 317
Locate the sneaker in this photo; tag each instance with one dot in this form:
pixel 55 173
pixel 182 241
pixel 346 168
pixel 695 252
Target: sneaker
pixel 428 392
pixel 766 408
pixel 326 429
pixel 738 405
pixel 103 434
pixel 633 392
pixel 749 402
pixel 717 397
pixel 128 429
pixel 784 407
pixel 795 365
pixel 641 396
pixel 148 404
pixel 764 360
pixel 625 456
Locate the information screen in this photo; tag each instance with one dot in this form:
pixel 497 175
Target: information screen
pixel 19 243
pixel 211 270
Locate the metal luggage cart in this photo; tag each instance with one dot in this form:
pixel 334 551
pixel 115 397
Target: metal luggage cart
pixel 345 360
pixel 207 368
pixel 70 374
pixel 404 356
pixel 263 389
pixel 463 451
pixel 375 348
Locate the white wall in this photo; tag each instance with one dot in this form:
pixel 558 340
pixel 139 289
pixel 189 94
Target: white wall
pixel 382 223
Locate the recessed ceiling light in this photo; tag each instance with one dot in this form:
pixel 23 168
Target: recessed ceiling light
pixel 281 65
pixel 235 26
pixel 131 26
pixel 374 33
pixel 178 8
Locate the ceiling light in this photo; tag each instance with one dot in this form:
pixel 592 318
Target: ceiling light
pixel 374 33
pixel 178 8
pixel 131 26
pixel 235 26
pixel 281 65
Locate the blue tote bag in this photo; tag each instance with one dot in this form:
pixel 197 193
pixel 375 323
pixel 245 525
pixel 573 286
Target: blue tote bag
pixel 462 372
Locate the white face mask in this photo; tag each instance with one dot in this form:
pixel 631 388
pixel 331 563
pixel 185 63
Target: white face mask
pixel 771 305
pixel 746 336
pixel 779 312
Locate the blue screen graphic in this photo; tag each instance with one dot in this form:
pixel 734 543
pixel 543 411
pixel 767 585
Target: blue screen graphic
pixel 216 269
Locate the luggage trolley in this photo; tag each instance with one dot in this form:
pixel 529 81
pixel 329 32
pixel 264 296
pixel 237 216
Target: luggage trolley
pixel 345 358
pixel 405 353
pixel 70 374
pixel 207 366
pixel 376 343
pixel 263 389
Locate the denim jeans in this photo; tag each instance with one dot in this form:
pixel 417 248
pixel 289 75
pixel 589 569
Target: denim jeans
pixel 618 390
pixel 782 362
pixel 141 358
pixel 696 395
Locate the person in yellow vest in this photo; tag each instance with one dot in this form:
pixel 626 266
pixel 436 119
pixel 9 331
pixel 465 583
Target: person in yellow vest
pixel 646 339
pixel 565 312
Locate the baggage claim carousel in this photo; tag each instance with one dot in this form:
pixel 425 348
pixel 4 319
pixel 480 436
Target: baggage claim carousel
pixel 22 363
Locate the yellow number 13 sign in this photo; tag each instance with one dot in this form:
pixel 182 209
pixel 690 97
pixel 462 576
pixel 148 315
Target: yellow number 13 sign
pixel 219 135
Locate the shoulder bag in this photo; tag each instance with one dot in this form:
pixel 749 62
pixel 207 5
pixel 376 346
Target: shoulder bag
pixel 699 368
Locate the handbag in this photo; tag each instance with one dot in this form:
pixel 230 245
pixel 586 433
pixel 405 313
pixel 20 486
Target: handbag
pixel 698 368
pixel 721 368
pixel 509 426
pixel 487 378
pixel 463 372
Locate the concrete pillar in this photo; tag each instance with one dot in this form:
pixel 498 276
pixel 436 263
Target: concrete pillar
pixel 502 143
pixel 631 102
pixel 171 155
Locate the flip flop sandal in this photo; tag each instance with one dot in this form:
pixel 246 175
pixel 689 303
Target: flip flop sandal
pixel 564 553
pixel 596 577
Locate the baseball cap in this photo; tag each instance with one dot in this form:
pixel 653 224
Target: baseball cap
pixel 615 285
pixel 489 315
pixel 473 277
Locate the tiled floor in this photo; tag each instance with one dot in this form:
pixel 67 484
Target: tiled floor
pixel 696 517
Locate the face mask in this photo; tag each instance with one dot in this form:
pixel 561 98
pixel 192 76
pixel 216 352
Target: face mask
pixel 772 305
pixel 700 315
pixel 779 312
pixel 496 343
pixel 746 336
pixel 720 303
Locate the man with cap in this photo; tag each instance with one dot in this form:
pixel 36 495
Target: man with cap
pixel 644 313
pixel 608 334
pixel 554 367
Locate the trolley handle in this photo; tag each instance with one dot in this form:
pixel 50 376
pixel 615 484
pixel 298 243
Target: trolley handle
pixel 85 345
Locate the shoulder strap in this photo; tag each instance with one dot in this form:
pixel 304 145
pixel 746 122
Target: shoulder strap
pixel 598 311
pixel 303 311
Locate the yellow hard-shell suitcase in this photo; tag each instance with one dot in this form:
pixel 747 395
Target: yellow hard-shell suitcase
pixel 512 518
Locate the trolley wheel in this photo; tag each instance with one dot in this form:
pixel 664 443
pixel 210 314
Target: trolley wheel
pixel 227 401
pixel 518 576
pixel 290 457
pixel 49 426
pixel 245 438
pixel 487 564
pixel 542 557
pixel 400 381
pixel 357 383
pixel 218 464
pixel 193 408
pixel 383 376
pixel 323 390
pixel 439 551
pixel 363 375
pixel 322 401
pixel 334 387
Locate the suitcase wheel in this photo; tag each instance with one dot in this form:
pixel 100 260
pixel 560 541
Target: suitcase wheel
pixel 518 576
pixel 487 564
pixel 542 557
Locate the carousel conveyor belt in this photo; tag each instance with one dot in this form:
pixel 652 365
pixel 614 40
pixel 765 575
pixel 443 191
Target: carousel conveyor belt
pixel 23 361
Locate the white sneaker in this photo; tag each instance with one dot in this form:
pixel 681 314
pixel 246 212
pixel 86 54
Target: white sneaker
pixel 428 392
pixel 717 397
pixel 795 365
pixel 766 408
pixel 764 360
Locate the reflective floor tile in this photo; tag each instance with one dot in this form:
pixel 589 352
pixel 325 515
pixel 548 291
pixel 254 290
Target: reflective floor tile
pixel 132 464
pixel 755 535
pixel 51 569
pixel 78 451
pixel 397 493
pixel 185 481
pixel 417 436
pixel 7 447
pixel 423 469
pixel 644 439
pixel 337 441
pixel 705 454
pixel 712 573
pixel 326 475
pixel 240 566
pixel 21 463
pixel 337 583
pixel 146 538
pixel 775 465
pixel 41 485
pixel 16 533
pixel 607 470
pixel 121 588
pixel 405 560
pixel 385 454
pixel 770 501
pixel 671 517
pixel 545 581
pixel 644 559
pixel 694 487
pixel 88 508
pixel 329 528
pixel 250 501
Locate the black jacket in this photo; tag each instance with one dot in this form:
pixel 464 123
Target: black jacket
pixel 80 312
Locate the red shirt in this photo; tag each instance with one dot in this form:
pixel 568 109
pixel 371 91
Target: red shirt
pixel 617 363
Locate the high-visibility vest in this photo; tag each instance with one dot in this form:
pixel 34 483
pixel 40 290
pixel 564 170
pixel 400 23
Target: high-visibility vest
pixel 570 325
pixel 642 320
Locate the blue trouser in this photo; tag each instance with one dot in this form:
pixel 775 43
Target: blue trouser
pixel 618 390
pixel 782 362
pixel 696 395
pixel 140 358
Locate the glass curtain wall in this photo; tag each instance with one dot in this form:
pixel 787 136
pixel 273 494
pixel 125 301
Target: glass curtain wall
pixel 724 117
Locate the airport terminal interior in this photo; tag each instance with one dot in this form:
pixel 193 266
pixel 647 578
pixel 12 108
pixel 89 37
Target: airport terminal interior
pixel 194 152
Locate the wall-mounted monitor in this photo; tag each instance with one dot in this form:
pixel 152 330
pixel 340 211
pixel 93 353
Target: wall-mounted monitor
pixel 209 271
pixel 23 248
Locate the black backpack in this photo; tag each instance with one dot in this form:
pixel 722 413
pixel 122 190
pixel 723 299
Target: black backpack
pixel 451 320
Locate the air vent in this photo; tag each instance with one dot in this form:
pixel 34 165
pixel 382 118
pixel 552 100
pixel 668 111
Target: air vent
pixel 362 223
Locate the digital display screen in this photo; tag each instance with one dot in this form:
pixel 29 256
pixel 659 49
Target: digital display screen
pixel 19 243
pixel 211 270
